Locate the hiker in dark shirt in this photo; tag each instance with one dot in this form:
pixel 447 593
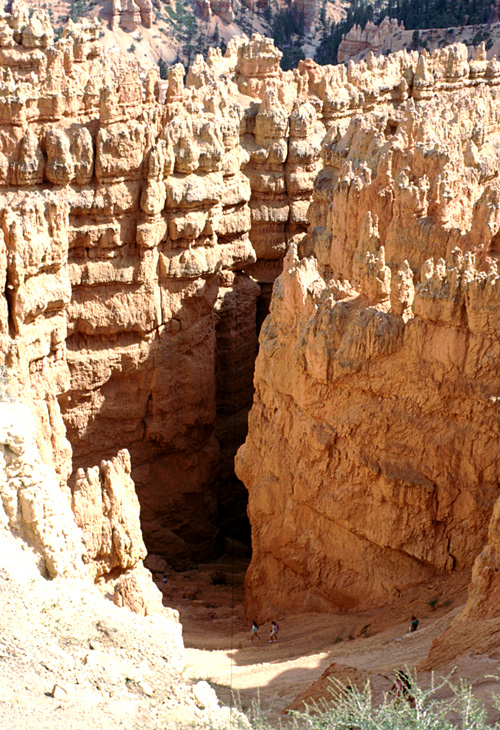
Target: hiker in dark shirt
pixel 414 624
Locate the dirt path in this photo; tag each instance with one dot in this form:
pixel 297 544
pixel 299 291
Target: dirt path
pixel 376 643
pixel 274 674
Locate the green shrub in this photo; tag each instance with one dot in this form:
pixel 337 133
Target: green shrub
pixel 351 709
pixel 422 710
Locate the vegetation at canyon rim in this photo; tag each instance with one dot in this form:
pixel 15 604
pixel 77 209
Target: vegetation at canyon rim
pixel 287 26
pixel 299 29
pixel 415 16
pixel 288 29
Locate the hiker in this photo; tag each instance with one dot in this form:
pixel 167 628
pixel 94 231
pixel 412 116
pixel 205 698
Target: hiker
pixel 255 630
pixel 401 689
pixel 274 632
pixel 414 624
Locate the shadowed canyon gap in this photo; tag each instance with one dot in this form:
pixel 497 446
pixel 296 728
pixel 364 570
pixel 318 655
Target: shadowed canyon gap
pixel 140 222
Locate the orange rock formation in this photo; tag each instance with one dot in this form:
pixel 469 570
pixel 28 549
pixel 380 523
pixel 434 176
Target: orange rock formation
pixel 137 223
pixel 370 38
pixel 130 227
pixel 372 458
pixel 129 14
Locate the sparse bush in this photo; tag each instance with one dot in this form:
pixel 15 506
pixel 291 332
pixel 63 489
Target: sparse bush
pixel 350 708
pixel 353 709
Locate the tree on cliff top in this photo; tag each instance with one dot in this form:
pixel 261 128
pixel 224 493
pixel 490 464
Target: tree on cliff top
pixel 415 16
pixel 288 31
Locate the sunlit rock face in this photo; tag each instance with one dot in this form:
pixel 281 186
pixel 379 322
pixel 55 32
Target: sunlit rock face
pixel 372 458
pixel 131 14
pixel 92 531
pixel 128 301
pixel 140 218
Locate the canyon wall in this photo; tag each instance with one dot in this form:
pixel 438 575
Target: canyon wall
pixel 476 629
pixel 138 222
pixel 132 215
pixel 372 458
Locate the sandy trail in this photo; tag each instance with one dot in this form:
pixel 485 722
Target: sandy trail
pixel 274 674
pixel 216 635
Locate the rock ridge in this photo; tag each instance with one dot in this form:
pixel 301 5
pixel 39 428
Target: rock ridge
pixel 371 459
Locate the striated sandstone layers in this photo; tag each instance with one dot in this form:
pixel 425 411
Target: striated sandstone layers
pixel 137 223
pixel 127 244
pixel 372 458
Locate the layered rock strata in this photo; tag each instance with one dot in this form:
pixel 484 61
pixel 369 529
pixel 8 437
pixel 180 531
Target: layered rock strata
pixel 372 458
pixel 125 240
pixel 137 222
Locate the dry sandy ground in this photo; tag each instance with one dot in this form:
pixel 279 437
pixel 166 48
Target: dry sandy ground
pixel 376 643
pixel 114 669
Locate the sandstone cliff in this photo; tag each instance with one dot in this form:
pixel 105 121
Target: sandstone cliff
pixel 476 629
pixel 372 458
pixel 132 217
pixel 70 657
pixel 139 220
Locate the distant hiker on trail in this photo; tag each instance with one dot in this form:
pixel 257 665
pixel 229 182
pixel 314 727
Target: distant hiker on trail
pixel 255 631
pixel 414 624
pixel 274 632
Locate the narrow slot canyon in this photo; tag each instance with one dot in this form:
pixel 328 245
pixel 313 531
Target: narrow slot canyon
pixel 193 507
